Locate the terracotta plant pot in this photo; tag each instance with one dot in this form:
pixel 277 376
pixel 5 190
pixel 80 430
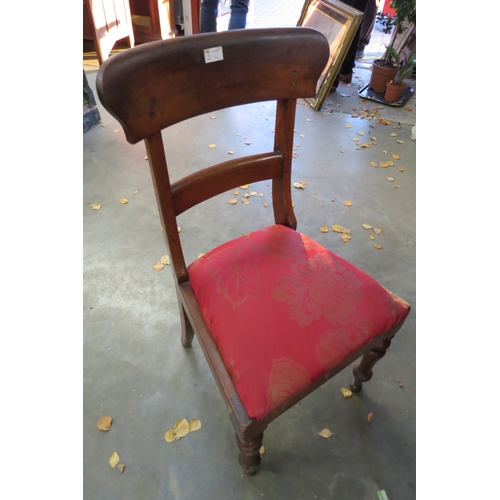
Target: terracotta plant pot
pixel 381 74
pixel 393 92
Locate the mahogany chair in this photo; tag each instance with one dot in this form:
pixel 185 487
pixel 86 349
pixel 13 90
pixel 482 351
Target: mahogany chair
pixel 313 313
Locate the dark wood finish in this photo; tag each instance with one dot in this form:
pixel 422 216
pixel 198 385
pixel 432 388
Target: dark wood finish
pixel 249 457
pixel 155 86
pixel 105 22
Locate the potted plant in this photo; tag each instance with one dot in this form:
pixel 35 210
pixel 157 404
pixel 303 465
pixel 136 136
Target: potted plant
pixel 385 69
pixel 395 87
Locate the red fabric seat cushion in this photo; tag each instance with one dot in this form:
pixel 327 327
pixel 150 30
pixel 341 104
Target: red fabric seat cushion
pixel 283 311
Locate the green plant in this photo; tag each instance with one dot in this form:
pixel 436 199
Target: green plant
pixel 406 70
pixel 405 9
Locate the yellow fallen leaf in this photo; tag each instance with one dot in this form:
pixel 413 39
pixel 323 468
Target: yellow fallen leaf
pixel 179 229
pixel 245 186
pixel 124 201
pixel 262 450
pixel 114 459
pixel 383 164
pixel 248 143
pixel 121 467
pixel 245 201
pixel 396 157
pixel 371 236
pixel 399 142
pixel 158 266
pixel 302 135
pixel 135 192
pixel 212 117
pixel 342 150
pixel 347 125
pixel 212 146
pixel 366 226
pixel 394 134
pixel 165 260
pixel 299 185
pixel 230 152
pixel 401 169
pixel 347 203
pixel 194 425
pixel 181 428
pixel 361 133
pixel 346 392
pixel 370 417
pixel 145 157
pixel 169 435
pixel 390 179
pixel 200 255
pixel 390 163
pixel 103 124
pixel 104 423
pixel 324 229
pixel 373 138
pixel 261 195
pixel 373 164
pixel 345 237
pixel 265 204
pixel 377 230
pixel 326 433
pixel 397 186
pixel 116 130
pixel 233 201
pixel 378 247
pixel 253 193
pixel 337 228
pixel 96 206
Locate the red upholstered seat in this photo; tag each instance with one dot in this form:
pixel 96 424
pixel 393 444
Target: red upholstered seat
pixel 283 311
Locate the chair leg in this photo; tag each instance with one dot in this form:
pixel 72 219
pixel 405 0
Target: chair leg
pixel 187 329
pixel 363 370
pixel 249 457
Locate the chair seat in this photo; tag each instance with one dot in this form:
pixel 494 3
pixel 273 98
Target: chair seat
pixel 283 311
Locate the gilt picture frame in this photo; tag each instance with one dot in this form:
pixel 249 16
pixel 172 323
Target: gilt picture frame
pixel 338 22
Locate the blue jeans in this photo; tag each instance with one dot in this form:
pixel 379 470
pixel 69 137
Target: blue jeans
pixel 209 11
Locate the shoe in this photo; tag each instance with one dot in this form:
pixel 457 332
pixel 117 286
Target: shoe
pixel 345 78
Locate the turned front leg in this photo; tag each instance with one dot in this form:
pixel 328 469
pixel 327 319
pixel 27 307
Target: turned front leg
pixel 249 457
pixel 363 370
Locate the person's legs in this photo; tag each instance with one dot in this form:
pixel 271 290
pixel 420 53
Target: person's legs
pixel 239 10
pixel 208 16
pixel 367 25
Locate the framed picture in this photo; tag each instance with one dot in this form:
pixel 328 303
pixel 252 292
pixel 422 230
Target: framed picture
pixel 338 22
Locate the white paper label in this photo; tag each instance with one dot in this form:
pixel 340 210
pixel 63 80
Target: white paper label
pixel 213 54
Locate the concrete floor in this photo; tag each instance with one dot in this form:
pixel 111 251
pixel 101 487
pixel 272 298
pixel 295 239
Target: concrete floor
pixel 135 368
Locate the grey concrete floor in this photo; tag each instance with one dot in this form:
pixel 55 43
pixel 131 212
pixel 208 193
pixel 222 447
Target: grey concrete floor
pixel 135 368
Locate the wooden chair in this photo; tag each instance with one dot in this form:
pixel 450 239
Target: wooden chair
pixel 313 313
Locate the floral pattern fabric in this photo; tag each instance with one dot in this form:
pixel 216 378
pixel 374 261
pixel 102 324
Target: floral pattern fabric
pixel 283 311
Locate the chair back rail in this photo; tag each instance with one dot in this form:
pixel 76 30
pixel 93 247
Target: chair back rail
pixel 158 84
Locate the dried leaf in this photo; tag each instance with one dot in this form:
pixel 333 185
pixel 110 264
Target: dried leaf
pixel 114 459
pixel 245 201
pixel 302 135
pixel 299 185
pixel 347 203
pixel 326 433
pixel 324 229
pixel 397 186
pixel 262 450
pixel 370 417
pixel 342 150
pixel 145 157
pixel 165 259
pixel 169 435
pixel 373 138
pixel 361 133
pixel 378 247
pixel 212 146
pixel 371 236
pixel 158 266
pixel 121 467
pixel 212 117
pixel 337 228
pixel 401 169
pixel 245 186
pixel 347 125
pixel 390 179
pixel 261 195
pixel 124 201
pixel 230 152
pixel 396 157
pixel 399 142
pixel 233 201
pixel 265 204
pixel 366 226
pixel 96 206
pixel 383 164
pixel 248 143
pixel 181 428
pixel 179 229
pixel 390 163
pixel 377 230
pixel 373 164
pixel 194 425
pixel 116 130
pixel 345 237
pixel 346 392
pixel 104 423
pixel 253 193
pixel 200 255
pixel 135 192
pixel 394 134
